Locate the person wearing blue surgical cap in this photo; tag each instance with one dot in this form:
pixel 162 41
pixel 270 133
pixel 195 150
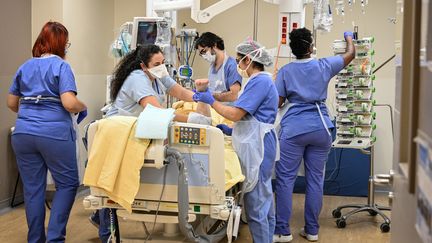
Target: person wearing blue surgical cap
pixel 302 86
pixel 225 81
pixel 43 93
pixel 253 136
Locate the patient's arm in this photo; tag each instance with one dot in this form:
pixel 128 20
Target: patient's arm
pixel 202 108
pixel 180 117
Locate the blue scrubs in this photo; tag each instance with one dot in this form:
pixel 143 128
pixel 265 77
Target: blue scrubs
pixel 260 99
pixel 303 83
pixel 231 74
pixel 136 87
pixel 43 139
pixel 226 73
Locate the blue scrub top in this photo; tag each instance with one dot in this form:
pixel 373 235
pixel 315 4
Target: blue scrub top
pixel 136 87
pixel 260 98
pixel 231 74
pixel 47 76
pixel 303 83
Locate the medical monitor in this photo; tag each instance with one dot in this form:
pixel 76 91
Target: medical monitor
pixel 145 31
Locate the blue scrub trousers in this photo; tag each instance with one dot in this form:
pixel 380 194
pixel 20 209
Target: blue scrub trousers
pixel 258 203
pixel 314 148
pixel 34 156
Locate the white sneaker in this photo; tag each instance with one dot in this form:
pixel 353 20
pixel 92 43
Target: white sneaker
pixel 282 238
pixel 308 236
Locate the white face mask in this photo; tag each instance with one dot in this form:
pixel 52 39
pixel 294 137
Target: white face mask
pixel 159 71
pixel 242 72
pixel 209 57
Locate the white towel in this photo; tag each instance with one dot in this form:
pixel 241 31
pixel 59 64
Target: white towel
pixel 153 122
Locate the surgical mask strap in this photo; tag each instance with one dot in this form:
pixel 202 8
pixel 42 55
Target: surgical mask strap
pixel 258 52
pixel 309 43
pixel 305 41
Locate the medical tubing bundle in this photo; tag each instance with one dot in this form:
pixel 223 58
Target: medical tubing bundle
pixel 149 235
pixel 183 203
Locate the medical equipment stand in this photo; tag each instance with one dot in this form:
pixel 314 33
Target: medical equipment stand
pixel 370 207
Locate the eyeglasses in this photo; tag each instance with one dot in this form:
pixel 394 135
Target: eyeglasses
pixel 68 45
pixel 203 51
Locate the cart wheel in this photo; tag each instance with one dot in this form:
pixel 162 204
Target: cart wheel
pixel 336 213
pixel 341 223
pixel 385 227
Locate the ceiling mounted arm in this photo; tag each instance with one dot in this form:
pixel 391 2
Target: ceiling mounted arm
pixel 205 15
pixel 198 15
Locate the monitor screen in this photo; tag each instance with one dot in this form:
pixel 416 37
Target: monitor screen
pixel 146 32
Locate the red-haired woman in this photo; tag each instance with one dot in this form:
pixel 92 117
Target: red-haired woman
pixel 43 93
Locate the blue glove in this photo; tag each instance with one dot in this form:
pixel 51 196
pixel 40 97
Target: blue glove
pixel 205 97
pixel 225 129
pixel 348 33
pixel 81 116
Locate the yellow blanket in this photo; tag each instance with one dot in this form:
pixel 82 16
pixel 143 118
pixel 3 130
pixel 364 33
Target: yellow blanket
pixel 233 174
pixel 115 160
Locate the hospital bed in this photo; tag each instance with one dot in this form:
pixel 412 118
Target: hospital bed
pixel 197 154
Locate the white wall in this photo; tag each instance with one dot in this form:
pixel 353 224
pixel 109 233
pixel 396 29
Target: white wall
pixel 90 25
pixel 15 48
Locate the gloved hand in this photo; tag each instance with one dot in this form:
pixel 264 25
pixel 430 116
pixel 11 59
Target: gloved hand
pixel 225 129
pixel 205 97
pixel 348 33
pixel 81 116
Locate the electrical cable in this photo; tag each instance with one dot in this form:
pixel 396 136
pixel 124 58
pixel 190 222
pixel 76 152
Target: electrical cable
pixel 382 65
pixel 157 209
pixel 191 47
pixel 178 53
pixel 277 58
pixel 334 170
pixel 337 170
pixel 123 42
pixel 391 116
pixel 193 60
pixel 187 50
pixel 112 227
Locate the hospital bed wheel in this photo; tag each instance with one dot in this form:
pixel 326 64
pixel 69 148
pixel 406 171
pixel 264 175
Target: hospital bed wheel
pixel 385 227
pixel 341 223
pixel 372 213
pixel 336 213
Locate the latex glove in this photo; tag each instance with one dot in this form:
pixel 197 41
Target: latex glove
pixel 348 33
pixel 225 129
pixel 205 97
pixel 81 116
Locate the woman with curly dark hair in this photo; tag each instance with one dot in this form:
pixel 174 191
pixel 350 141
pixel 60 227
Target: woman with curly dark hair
pixel 141 78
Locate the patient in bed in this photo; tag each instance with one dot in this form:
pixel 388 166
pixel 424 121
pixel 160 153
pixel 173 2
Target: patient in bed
pixel 200 113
